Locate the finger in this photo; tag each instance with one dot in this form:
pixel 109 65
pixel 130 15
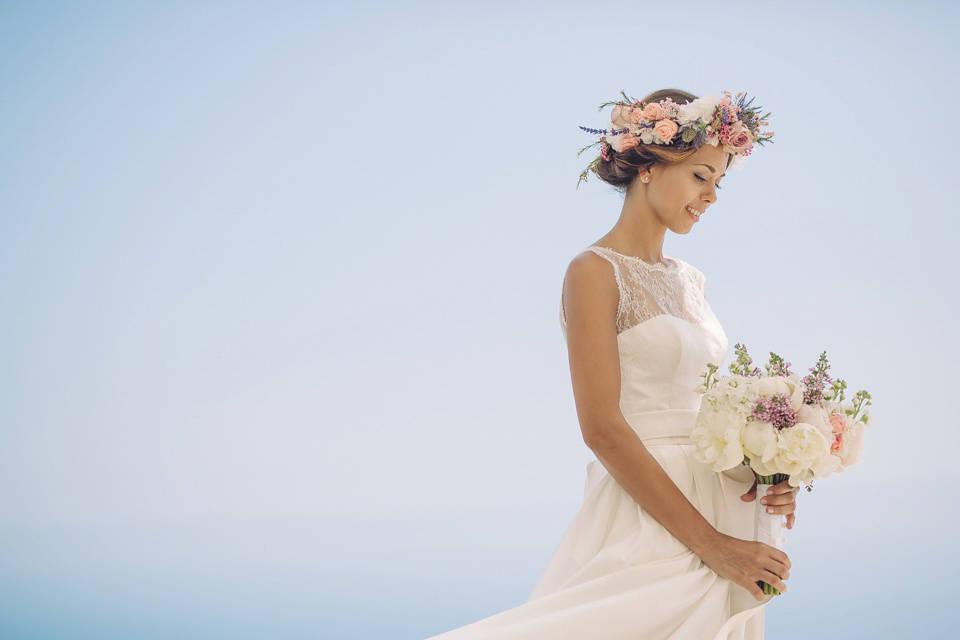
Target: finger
pixel 780 498
pixel 776 570
pixel 781 487
pixel 755 590
pixel 773 580
pixel 791 518
pixel 781 509
pixel 777 559
pixel 752 493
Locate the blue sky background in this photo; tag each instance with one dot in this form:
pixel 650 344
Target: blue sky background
pixel 280 285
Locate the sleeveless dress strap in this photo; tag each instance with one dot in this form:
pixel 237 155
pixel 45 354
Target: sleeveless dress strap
pixel 609 257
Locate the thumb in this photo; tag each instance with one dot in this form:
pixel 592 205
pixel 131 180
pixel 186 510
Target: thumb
pixel 750 495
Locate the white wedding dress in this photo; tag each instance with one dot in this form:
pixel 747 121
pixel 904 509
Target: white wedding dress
pixel 617 573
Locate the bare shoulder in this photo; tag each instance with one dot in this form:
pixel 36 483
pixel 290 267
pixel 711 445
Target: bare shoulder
pixel 590 290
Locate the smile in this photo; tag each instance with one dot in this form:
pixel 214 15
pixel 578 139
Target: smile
pixel 693 212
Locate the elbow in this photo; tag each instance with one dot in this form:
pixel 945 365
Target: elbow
pixel 598 435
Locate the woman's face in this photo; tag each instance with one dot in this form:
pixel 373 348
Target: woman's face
pixel 692 183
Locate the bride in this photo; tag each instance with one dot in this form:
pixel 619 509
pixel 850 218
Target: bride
pixel 662 547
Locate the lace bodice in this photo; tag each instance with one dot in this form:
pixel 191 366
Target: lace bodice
pixel 666 332
pixel 647 290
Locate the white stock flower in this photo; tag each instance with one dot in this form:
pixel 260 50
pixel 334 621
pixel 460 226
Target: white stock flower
pixel 852 444
pixel 739 392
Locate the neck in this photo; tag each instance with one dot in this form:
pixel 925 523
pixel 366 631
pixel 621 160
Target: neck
pixel 638 232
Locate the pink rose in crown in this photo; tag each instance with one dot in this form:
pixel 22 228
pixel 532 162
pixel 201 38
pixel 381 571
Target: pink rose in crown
pixel 653 112
pixel 666 129
pixel 628 141
pixel 738 137
pixel 620 116
pixel 636 116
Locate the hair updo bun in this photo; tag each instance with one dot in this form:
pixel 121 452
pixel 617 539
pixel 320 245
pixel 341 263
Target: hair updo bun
pixel 624 166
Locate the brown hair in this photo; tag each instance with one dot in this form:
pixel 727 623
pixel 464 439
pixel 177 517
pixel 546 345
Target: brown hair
pixel 623 166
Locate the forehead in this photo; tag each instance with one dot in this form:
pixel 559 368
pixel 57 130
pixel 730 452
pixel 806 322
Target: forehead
pixel 714 156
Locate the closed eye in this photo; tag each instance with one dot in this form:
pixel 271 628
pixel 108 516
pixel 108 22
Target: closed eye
pixel 704 180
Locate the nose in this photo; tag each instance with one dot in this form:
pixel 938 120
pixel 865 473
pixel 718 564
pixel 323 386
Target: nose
pixel 711 195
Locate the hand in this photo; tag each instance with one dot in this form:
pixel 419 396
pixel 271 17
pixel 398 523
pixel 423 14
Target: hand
pixel 782 499
pixel 744 562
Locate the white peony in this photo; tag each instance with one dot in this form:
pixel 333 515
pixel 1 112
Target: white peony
pixel 759 440
pixel 717 435
pixel 789 385
pixel 800 450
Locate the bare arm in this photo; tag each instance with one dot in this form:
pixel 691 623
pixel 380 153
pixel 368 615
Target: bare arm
pixel 590 300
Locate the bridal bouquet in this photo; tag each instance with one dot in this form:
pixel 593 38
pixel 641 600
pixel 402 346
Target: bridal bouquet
pixel 781 426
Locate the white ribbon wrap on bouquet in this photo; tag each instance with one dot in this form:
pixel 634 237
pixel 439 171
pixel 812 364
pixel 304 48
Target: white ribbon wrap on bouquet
pixel 767 527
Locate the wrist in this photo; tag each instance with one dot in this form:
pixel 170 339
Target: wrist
pixel 705 541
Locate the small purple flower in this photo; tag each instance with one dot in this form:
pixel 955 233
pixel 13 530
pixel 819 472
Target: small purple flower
pixel 776 410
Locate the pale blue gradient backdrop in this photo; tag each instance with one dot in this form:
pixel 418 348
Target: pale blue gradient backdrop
pixel 280 284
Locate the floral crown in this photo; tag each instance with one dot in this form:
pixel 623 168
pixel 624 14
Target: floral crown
pixel 728 121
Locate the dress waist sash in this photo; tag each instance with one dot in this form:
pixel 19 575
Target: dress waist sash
pixel 665 426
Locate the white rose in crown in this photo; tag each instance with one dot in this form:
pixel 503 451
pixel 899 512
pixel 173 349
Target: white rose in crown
pixel 615 141
pixel 698 110
pixel 620 117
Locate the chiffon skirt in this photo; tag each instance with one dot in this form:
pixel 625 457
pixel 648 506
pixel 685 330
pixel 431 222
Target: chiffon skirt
pixel 618 574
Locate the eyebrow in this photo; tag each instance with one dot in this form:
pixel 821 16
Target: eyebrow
pixel 711 169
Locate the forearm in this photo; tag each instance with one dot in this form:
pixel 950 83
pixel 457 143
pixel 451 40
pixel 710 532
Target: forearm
pixel 629 462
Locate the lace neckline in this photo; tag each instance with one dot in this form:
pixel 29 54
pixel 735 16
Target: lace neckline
pixel 673 266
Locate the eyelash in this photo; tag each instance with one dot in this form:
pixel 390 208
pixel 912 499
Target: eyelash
pixel 704 180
